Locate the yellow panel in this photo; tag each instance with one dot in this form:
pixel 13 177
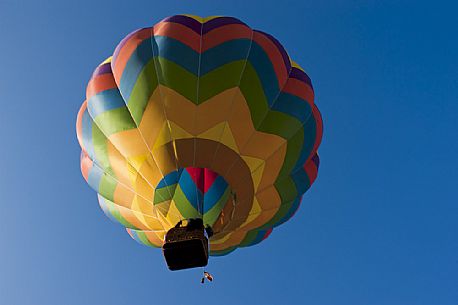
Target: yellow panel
pixel 198 18
pixel 255 210
pixel 173 216
pixel 259 220
pixel 165 159
pixel 163 207
pixel 136 210
pixel 210 18
pixel 178 132
pixel 106 60
pixel 257 169
pixel 132 218
pixel 269 198
pixel 150 170
pixel 137 161
pixel 228 139
pixel 213 133
pixel 234 239
pixel 296 65
pixel 129 143
pixel 153 118
pixel 123 196
pixel 119 165
pixel 163 137
pixel 155 237
pixel 274 163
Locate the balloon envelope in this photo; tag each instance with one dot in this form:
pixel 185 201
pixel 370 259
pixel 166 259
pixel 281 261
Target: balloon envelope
pixel 200 118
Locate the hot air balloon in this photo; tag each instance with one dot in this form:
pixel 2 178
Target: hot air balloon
pixel 199 135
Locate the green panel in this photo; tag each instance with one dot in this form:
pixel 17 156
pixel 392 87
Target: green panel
pixel 249 238
pixel 251 87
pixel 99 142
pixel 212 215
pixel 286 189
pixel 280 123
pixel 142 91
pixel 107 187
pixel 219 80
pixel 183 205
pixel 293 150
pixel 175 77
pixel 114 121
pixel 144 239
pixel 164 193
pixel 281 213
pixel 117 215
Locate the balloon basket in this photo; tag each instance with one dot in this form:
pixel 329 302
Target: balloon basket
pixel 186 246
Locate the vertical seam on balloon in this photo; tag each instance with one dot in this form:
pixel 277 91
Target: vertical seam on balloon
pixel 231 108
pixel 146 144
pixel 275 151
pixel 255 128
pixel 199 206
pixel 286 143
pixel 262 120
pixel 127 187
pixel 126 159
pixel 94 157
pixel 233 98
pixel 161 97
pixel 292 172
pixel 289 175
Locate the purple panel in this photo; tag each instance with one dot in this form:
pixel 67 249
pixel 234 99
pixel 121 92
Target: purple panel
pixel 301 75
pixel 316 160
pixel 189 22
pixel 103 69
pixel 123 42
pixel 219 22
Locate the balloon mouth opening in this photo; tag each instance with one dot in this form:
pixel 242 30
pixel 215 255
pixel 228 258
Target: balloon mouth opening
pixel 197 193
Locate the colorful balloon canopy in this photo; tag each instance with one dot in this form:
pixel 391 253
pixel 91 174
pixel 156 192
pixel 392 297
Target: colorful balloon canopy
pixel 200 118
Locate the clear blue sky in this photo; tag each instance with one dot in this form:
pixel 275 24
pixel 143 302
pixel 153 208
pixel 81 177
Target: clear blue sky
pixel 379 226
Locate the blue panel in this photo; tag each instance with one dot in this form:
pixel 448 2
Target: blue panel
pixel 86 128
pixel 105 101
pixel 308 142
pixel 177 52
pixel 94 177
pixel 293 106
pixel 214 193
pixel 139 58
pixel 170 179
pixel 190 190
pixel 224 53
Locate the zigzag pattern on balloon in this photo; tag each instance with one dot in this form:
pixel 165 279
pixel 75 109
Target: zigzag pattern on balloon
pixel 200 93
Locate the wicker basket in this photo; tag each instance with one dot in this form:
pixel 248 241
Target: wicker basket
pixel 186 247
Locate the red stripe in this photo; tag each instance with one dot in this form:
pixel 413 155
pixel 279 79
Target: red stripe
pixel 210 177
pixel 179 32
pixel 299 89
pixel 126 51
pixel 267 233
pixel 274 55
pixel 197 175
pixel 100 83
pixel 79 124
pixel 319 128
pixel 86 165
pixel 311 170
pixel 225 33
